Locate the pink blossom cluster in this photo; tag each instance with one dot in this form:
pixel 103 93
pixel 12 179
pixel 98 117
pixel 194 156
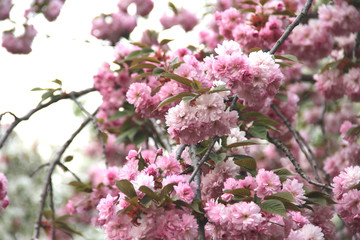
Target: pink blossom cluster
pixel 310 42
pixel 114 26
pixel 203 119
pixel 121 220
pixel 5 7
pixel 143 7
pixel 182 17
pixel 20 44
pixel 346 191
pixel 340 19
pixel 255 79
pixel 334 84
pixel 52 9
pixel 4 199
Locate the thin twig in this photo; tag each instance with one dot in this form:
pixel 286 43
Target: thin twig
pixel 204 158
pixel 51 196
pixel 39 107
pixel 95 123
pixel 38 169
pixel 292 159
pixel 53 163
pixel 298 140
pixel 66 169
pixel 291 27
pixel 233 103
pixel 356 45
pixel 161 134
pixel 12 114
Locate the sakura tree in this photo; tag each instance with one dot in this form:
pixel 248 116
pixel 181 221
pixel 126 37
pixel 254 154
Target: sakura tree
pixel 251 134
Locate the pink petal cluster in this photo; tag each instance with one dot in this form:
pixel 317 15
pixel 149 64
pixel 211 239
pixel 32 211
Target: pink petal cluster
pixel 308 231
pixel 254 79
pixel 4 199
pixel 183 17
pixel 5 7
pixel 267 182
pixel 52 10
pixel 296 189
pixel 200 121
pixel 340 19
pixel 352 84
pixel 20 44
pixel 346 191
pixel 112 27
pixel 143 7
pixel 330 84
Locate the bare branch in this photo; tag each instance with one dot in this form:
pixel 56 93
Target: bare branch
pixel 66 169
pixel 160 133
pixel 204 158
pixel 95 123
pixel 299 141
pixel 38 169
pixel 39 107
pixel 291 27
pixel 51 196
pixel 292 159
pixel 53 163
pixel 179 151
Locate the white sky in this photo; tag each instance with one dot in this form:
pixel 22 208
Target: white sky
pixel 67 56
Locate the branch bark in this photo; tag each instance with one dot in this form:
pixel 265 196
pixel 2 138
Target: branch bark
pixel 39 107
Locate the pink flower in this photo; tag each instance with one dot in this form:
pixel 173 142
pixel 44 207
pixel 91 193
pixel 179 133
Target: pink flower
pixel 214 211
pixel 5 7
pixel 21 44
pixel 244 216
pixel 184 191
pixel 189 226
pixel 344 129
pixel 169 165
pixel 352 84
pixel 307 232
pixel 106 207
pixel 347 179
pixel 296 189
pixel 268 183
pixel 52 9
pixel 330 84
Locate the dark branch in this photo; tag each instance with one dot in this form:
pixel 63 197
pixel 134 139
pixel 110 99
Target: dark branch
pixel 291 27
pixel 50 171
pixel 39 107
pixel 292 159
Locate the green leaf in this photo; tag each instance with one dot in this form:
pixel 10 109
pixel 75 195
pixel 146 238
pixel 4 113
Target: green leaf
pixel 165 41
pixel 143 75
pixel 149 193
pixel 65 227
pixel 316 195
pixel 172 6
pixel 148 59
pixel 188 99
pixel 262 2
pixel 217 157
pixel 126 187
pixel 284 64
pixel 264 124
pixel 282 196
pixel 317 201
pixel 81 187
pixel 57 81
pixel 353 130
pixel 291 206
pixel 220 88
pixel 250 2
pixel 139 137
pixel 357 186
pixel 196 84
pixel 178 78
pixel 158 71
pixel 258 132
pixel 287 12
pixel 167 190
pixel 281 97
pixel 274 206
pixel 121 114
pixel 133 201
pixel 243 143
pixel 139 44
pixel 48 214
pixel 251 115
pixel 37 89
pixel 245 161
pixel 239 191
pixel 282 172
pixel 330 66
pixel 142 66
pixel 174 99
pixel 255 49
pixel 68 158
pixel 287 57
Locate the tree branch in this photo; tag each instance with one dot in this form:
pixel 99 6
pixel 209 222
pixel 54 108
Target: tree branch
pixel 204 158
pixel 299 141
pixel 356 46
pixel 160 133
pixel 291 27
pixel 53 163
pixel 95 123
pixel 292 159
pixel 39 107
